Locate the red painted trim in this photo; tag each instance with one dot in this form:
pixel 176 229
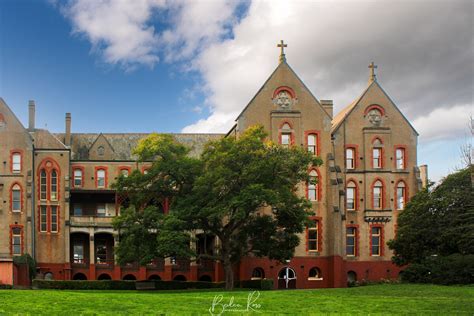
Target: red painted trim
pixel 318 140
pixel 405 194
pixel 320 234
pixel 292 132
pixel 356 241
pixel 120 168
pixel 22 205
pixel 21 238
pixel 74 168
pixel 106 182
pixel 284 88
pixel 318 185
pixel 356 194
pixel 382 193
pixel 2 118
pixel 381 244
pixel 356 154
pixel 16 151
pixel 404 147
pixel 54 165
pixel 374 106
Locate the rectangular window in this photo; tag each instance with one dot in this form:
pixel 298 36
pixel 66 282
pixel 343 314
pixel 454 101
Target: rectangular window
pixel 54 186
pixel 313 236
pixel 285 139
pixel 54 219
pixel 77 178
pixel 351 241
pixel 43 185
pixel 377 157
pixel 312 143
pixel 78 252
pixel 43 218
pixel 16 162
pixel 16 241
pixel 400 158
pixel 375 238
pixel 350 158
pixel 350 198
pixel 101 178
pixel 77 209
pixel 100 210
pixel 377 197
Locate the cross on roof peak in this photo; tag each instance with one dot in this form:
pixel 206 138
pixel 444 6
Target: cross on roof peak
pixel 282 46
pixel 372 67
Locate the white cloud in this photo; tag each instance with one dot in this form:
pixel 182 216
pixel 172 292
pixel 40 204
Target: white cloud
pixel 444 123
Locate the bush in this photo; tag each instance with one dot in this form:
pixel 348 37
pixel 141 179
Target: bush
pixel 28 260
pixel 84 285
pixel 177 285
pixel 264 284
pixel 5 286
pixel 453 269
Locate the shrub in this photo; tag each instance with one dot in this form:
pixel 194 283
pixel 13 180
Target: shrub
pixel 264 284
pixel 5 286
pixel 184 285
pixel 446 270
pixel 28 260
pixel 84 285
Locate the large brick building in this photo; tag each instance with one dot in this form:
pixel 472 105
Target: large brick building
pixel 57 203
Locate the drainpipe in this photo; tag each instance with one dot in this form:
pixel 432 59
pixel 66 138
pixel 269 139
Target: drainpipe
pixel 33 231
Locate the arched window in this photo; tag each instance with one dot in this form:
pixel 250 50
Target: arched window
pixel 313 186
pixel 285 136
pixel 312 141
pixel 258 274
pixel 314 274
pixel 78 178
pixel 100 178
pixel 350 158
pixel 401 195
pixel 16 198
pixel 43 185
pixel 351 196
pixel 377 195
pixel 54 185
pixel 377 154
pixel 400 158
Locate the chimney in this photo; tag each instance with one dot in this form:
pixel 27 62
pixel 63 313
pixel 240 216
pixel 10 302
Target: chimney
pixel 424 175
pixel 327 105
pixel 31 115
pixel 67 137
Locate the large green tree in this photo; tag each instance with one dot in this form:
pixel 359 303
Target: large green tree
pixel 437 222
pixel 246 195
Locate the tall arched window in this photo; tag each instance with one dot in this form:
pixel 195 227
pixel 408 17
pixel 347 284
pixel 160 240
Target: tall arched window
pixel 377 195
pixel 351 196
pixel 54 185
pixel 16 198
pixel 377 154
pixel 350 158
pixel 312 143
pixel 43 185
pixel 285 137
pixel 313 186
pixel 401 195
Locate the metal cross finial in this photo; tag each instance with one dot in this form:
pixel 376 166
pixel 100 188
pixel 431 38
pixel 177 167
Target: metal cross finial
pixel 282 46
pixel 372 67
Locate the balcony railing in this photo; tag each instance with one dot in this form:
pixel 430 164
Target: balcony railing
pixel 157 264
pixel 181 264
pixel 105 264
pixel 81 221
pixel 80 263
pixel 206 264
pixel 130 266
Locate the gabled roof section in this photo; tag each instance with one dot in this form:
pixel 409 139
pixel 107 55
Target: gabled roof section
pixel 344 113
pixel 45 140
pixel 102 137
pixel 281 65
pixel 6 108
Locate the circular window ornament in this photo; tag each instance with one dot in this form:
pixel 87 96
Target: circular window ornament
pixel 284 100
pixel 375 117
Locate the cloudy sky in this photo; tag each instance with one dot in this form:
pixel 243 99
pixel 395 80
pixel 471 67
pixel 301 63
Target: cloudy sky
pixel 191 66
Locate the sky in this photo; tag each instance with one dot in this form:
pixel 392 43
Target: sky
pixel 192 66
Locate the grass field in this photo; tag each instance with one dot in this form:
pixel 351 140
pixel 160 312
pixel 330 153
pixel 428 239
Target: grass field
pixel 375 299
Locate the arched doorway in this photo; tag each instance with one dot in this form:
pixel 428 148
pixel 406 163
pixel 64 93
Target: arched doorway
pixel 104 276
pixel 351 277
pixel 129 277
pixel 179 278
pixel 258 274
pixel 205 278
pixel 154 277
pixel 79 276
pixel 287 278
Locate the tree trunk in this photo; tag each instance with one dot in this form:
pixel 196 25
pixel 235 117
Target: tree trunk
pixel 229 275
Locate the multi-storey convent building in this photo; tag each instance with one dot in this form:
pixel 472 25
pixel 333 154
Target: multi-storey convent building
pixel 57 203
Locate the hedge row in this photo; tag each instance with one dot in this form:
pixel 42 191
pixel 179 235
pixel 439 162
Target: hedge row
pixel 264 284
pixel 177 285
pixel 5 286
pixel 84 285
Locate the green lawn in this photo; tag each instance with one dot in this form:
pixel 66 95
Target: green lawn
pixel 375 299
